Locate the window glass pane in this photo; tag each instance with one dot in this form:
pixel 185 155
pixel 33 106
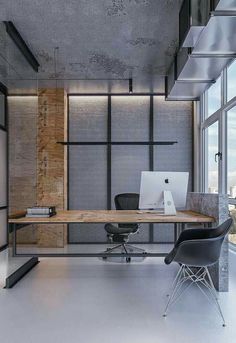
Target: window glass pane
pixel 231 152
pixel 129 118
pixel 87 189
pixel 87 118
pixel 231 81
pixel 214 97
pixel 126 166
pixel 212 149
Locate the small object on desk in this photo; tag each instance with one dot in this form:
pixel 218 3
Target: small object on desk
pixel 41 211
pixel 159 213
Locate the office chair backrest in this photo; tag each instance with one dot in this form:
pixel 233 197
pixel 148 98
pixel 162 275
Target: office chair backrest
pixel 206 251
pixel 127 201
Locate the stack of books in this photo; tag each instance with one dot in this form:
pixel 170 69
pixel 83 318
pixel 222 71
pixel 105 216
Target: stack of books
pixel 41 211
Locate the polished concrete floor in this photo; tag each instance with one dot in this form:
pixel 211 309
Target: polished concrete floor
pixel 88 300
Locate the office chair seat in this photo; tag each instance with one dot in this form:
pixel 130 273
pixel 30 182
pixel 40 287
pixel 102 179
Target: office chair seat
pixel 196 250
pixel 112 229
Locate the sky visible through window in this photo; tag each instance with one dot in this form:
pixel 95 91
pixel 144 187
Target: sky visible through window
pixel 212 133
pixel 231 150
pixel 214 103
pixel 231 81
pixel 214 97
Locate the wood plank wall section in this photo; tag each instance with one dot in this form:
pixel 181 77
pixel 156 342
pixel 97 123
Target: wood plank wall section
pixel 51 157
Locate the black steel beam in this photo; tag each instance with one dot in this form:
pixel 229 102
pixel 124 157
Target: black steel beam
pixel 12 279
pixel 3 89
pixel 3 128
pixel 109 153
pixel 21 44
pixel 3 247
pixel 151 155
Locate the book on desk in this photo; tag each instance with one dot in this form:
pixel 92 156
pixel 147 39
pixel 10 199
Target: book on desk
pixel 40 211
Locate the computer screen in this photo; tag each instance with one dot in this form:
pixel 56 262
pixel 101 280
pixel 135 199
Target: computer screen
pixel 153 184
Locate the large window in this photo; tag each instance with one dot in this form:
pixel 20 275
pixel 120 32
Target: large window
pixel 231 81
pixel 114 139
pixel 231 152
pixel 212 165
pixel 218 132
pixel 214 97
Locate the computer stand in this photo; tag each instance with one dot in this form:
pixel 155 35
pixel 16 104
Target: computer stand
pixel 169 205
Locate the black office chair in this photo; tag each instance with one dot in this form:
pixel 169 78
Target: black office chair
pixel 120 234
pixel 195 251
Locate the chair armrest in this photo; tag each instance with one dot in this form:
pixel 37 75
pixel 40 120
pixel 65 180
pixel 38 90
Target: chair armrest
pixel 196 233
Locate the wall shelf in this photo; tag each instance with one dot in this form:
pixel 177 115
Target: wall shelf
pixel 120 143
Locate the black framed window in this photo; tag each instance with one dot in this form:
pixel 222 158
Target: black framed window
pixel 111 139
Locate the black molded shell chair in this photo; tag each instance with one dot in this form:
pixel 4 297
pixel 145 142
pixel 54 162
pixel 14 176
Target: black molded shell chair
pixel 195 251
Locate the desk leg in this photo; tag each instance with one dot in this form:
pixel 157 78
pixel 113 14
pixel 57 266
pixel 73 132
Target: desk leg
pixel 18 274
pixel 13 240
pixel 175 232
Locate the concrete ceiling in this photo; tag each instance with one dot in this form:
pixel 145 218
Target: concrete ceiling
pixel 99 39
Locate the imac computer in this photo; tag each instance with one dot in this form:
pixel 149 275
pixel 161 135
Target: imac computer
pixel 160 190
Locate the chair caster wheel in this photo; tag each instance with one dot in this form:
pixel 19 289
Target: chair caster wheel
pixel 128 259
pixel 164 315
pixel 224 325
pixel 104 257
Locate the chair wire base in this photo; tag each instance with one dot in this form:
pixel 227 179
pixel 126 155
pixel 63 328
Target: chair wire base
pixel 185 278
pixel 125 248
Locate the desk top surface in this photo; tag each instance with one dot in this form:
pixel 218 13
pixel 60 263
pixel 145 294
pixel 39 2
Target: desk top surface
pixel 113 216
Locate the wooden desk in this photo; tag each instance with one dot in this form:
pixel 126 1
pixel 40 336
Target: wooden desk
pixel 107 216
pixel 113 216
pixel 18 221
